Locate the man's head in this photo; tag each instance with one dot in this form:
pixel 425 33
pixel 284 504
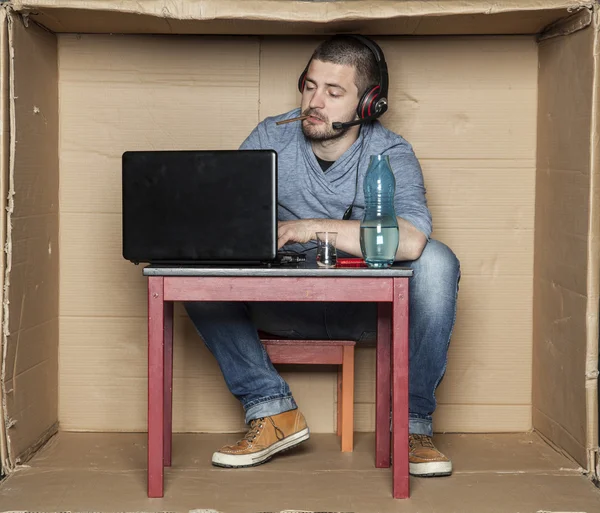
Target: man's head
pixel 340 71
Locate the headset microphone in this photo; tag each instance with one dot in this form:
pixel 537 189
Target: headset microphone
pixel 337 125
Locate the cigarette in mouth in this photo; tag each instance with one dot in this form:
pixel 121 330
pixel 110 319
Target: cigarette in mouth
pixel 299 118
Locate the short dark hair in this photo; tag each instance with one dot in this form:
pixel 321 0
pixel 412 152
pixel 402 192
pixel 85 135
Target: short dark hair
pixel 349 51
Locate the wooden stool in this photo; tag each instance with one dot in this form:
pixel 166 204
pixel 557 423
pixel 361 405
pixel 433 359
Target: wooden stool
pixel 324 352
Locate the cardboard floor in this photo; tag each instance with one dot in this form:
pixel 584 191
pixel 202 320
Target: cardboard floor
pixel 106 473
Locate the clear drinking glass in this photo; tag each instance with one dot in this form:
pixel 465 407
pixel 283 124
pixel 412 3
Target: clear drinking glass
pixel 326 250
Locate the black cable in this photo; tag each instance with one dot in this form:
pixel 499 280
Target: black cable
pixel 348 211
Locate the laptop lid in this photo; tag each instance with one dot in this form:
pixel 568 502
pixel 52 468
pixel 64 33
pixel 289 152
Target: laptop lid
pixel 199 206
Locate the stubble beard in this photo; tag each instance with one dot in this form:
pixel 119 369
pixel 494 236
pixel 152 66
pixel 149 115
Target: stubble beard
pixel 324 132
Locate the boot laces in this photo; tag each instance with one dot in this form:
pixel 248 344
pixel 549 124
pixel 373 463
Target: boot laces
pixel 421 441
pixel 256 426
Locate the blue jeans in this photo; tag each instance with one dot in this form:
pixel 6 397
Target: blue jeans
pixel 229 330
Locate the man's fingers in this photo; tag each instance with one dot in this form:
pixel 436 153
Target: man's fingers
pixel 292 231
pixel 282 239
pixel 281 242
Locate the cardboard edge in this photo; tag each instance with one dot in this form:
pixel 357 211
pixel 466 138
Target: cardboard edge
pixel 4 164
pixel 8 463
pixel 593 265
pixel 165 18
pixel 571 448
pixel 574 23
pixel 302 11
pixel 44 438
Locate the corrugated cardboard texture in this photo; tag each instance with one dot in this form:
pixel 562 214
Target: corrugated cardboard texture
pixel 467 105
pixel 30 367
pixel 4 167
pixel 562 273
pixel 304 17
pixel 497 473
pixel 126 93
pixel 592 363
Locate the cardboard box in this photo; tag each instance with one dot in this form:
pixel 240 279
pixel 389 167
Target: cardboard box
pixel 499 99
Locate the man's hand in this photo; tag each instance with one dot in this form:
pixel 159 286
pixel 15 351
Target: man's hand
pixel 302 230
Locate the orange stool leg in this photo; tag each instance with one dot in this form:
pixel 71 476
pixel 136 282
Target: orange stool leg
pixel 348 399
pixel 340 403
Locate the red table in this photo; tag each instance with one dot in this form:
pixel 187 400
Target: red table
pixel 387 287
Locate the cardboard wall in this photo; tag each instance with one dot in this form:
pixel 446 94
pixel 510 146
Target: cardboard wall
pixel 467 104
pixel 566 244
pixel 280 17
pixel 4 167
pixel 30 313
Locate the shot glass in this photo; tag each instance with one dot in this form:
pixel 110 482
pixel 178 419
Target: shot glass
pixel 326 251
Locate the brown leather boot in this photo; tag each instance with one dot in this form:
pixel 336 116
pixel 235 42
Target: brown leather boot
pixel 267 436
pixel 425 460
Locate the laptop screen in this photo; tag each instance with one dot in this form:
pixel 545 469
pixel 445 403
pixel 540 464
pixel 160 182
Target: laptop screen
pixel 198 206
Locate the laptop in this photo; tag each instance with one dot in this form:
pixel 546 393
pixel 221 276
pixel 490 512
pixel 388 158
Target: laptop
pixel 200 207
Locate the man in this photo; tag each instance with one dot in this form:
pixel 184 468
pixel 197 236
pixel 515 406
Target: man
pixel 321 171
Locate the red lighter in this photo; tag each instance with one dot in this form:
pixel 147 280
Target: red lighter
pixel 350 262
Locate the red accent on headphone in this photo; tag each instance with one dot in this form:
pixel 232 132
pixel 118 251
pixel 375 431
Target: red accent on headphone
pixel 367 102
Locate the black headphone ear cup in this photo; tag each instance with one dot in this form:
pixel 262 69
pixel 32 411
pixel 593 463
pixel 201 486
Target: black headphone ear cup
pixel 367 102
pixel 361 104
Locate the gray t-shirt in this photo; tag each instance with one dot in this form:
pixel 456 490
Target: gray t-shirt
pixel 305 191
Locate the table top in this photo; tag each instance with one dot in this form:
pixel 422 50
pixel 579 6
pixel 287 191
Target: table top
pixel 293 271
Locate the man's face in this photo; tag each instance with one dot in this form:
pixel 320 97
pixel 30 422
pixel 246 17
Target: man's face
pixel 329 95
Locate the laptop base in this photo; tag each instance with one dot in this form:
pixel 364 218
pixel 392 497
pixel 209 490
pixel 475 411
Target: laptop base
pixel 282 259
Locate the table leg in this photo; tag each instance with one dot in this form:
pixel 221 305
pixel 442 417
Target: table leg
pixel 400 347
pixel 156 327
pixel 383 386
pixel 168 388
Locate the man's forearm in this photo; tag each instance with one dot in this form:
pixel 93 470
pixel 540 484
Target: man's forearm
pixel 412 241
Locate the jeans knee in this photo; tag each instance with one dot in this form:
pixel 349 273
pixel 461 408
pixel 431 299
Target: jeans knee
pixel 437 268
pixel 439 256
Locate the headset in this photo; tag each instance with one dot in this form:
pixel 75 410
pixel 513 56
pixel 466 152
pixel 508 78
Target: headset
pixel 373 102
